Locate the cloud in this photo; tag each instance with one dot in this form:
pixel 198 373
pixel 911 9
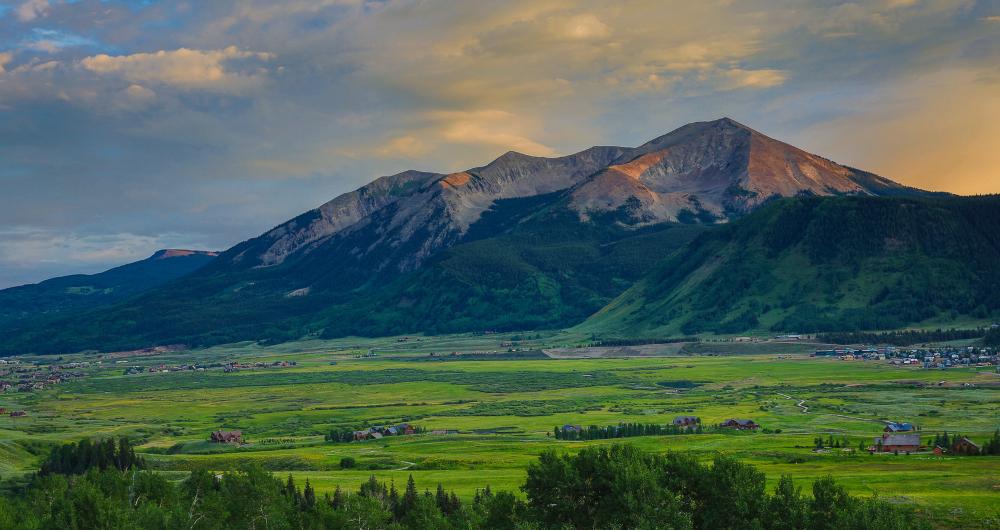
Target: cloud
pixel 491 127
pixel 31 253
pixel 765 78
pixel 5 59
pixel 31 9
pixel 402 147
pixel 183 68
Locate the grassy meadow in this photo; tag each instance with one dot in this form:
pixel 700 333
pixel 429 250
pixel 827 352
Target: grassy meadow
pixel 504 409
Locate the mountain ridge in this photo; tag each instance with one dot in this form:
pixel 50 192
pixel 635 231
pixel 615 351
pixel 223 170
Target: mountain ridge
pixel 87 291
pixel 452 252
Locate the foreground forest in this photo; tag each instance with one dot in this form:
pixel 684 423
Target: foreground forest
pixel 100 485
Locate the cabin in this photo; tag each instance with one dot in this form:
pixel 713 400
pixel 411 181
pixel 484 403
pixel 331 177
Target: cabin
pixel 226 437
pixel 903 443
pixel 572 428
pixel 405 429
pixel 739 424
pixel 686 421
pixel 965 446
pixel 892 427
pixel 18 414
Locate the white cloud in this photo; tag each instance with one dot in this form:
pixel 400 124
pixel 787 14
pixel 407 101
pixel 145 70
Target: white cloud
pixel 184 68
pixel 31 9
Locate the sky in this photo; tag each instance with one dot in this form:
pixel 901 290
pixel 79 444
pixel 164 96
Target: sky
pixel 130 126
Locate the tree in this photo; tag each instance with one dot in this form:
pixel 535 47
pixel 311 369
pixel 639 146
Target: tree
pixel 786 508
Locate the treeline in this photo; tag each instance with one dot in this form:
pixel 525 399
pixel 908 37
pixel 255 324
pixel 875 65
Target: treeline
pixel 992 337
pixel 622 430
pixel 608 487
pixel 901 338
pixel 954 446
pixel 71 459
pixel 347 435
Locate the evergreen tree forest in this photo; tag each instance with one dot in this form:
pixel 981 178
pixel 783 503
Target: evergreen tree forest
pixel 616 486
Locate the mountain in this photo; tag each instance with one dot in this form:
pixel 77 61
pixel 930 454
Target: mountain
pixel 67 294
pixel 522 242
pixel 809 265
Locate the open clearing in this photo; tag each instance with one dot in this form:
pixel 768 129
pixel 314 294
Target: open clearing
pixel 504 410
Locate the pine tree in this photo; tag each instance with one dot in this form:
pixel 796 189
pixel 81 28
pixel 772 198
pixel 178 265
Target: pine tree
pixel 338 498
pixel 309 496
pixel 409 496
pixel 441 498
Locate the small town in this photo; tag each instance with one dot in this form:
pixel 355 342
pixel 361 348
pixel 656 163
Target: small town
pixel 943 357
pixel 16 376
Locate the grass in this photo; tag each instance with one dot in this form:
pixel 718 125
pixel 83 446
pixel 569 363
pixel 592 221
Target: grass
pixel 504 411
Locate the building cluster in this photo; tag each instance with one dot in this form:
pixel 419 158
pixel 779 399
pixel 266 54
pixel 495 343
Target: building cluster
pixel 381 431
pixel 226 367
pixel 739 424
pixel 22 377
pixel 236 367
pixel 944 357
pixel 226 437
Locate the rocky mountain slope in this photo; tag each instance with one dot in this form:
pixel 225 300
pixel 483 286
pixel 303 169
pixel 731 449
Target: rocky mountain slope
pixel 544 240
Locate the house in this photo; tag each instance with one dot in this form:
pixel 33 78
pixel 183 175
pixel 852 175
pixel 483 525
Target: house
pixel 3 410
pixel 361 435
pixel 899 427
pixel 226 437
pixel 738 424
pixel 965 446
pixel 891 443
pixel 18 414
pixel 375 436
pixel 405 429
pixel 686 421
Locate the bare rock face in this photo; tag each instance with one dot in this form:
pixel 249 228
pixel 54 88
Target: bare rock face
pixel 702 172
pixel 340 213
pixel 710 169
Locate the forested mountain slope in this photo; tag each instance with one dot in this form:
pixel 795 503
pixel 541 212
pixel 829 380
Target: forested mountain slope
pixel 66 294
pixel 815 264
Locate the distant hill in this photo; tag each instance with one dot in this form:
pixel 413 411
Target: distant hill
pixel 523 242
pixel 68 294
pixel 811 264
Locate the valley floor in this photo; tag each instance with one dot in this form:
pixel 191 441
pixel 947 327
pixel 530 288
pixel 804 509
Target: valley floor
pixel 500 412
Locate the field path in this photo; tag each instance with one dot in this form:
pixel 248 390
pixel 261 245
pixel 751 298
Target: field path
pixel 801 404
pixel 407 466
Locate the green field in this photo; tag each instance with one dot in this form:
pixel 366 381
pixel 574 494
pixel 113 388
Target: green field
pixel 504 412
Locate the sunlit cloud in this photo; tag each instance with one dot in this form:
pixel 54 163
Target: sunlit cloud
pixel 183 67
pixel 31 9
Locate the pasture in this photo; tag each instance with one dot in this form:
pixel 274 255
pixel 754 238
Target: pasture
pixel 504 408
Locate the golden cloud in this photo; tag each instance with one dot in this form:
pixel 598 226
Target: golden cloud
pixel 184 68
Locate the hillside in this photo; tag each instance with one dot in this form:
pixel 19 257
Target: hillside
pixel 87 291
pixel 522 242
pixel 810 264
